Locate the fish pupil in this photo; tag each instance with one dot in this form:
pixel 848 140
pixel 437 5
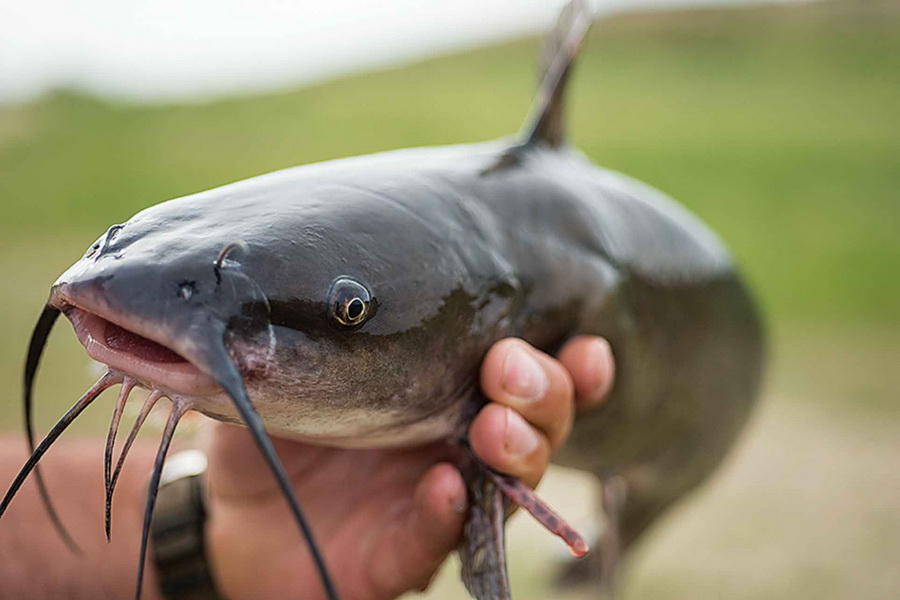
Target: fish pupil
pixel 349 302
pixel 355 309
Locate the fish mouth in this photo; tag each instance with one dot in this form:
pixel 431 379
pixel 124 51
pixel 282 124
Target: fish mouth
pixel 135 349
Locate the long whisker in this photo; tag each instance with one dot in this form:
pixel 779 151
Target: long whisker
pixel 102 384
pixel 35 350
pixel 178 410
pixel 227 375
pixel 149 403
pixel 127 387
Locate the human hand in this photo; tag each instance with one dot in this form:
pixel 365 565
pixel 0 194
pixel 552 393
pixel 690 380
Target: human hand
pixel 386 519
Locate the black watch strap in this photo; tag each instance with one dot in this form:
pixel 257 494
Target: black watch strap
pixel 178 531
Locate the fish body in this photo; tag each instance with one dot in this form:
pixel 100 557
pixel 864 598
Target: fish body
pixel 458 255
pixel 350 303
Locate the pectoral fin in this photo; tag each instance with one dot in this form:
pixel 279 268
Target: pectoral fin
pixel 482 551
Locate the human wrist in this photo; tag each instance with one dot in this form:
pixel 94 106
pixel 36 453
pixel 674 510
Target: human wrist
pixel 217 541
pixel 180 549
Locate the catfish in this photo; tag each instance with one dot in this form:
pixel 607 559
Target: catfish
pixel 349 303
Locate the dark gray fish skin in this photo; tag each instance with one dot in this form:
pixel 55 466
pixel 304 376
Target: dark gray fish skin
pixel 456 256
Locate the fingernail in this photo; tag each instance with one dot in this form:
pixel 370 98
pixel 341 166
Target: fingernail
pixel 523 375
pixel 521 440
pixel 600 355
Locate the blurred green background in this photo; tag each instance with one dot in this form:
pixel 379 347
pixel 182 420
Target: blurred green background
pixel 777 125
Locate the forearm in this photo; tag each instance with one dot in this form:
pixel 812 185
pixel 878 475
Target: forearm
pixel 34 562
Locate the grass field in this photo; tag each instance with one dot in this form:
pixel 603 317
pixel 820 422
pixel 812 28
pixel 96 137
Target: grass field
pixel 778 125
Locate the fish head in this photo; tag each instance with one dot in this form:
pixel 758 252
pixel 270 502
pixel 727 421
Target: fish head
pixel 351 321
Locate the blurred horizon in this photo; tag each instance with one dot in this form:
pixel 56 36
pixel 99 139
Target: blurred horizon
pixel 164 51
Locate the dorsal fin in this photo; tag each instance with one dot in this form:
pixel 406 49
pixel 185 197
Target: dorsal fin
pixel 545 121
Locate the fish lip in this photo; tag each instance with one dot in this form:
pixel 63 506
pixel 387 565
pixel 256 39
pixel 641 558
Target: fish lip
pixel 89 320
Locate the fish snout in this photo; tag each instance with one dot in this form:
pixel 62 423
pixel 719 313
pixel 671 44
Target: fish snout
pixel 161 316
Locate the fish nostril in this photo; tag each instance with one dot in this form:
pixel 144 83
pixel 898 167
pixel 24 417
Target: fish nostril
pixel 101 245
pixel 110 236
pixel 187 289
pixel 237 249
pixel 239 246
pixel 112 232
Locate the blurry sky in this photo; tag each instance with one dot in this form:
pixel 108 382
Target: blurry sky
pixel 163 50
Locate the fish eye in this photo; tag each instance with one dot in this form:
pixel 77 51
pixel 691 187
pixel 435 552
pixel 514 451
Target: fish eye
pixel 349 302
